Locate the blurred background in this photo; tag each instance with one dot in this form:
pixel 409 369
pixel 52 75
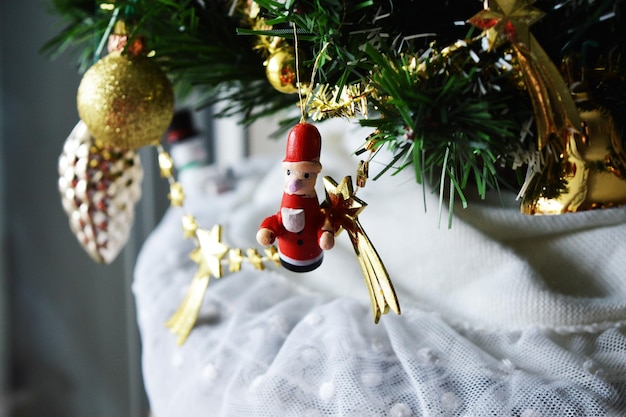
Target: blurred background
pixel 69 344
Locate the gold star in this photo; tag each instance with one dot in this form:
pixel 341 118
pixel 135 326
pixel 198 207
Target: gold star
pixel 255 258
pixel 165 164
pixel 176 195
pixel 341 203
pixel 272 254
pixel 213 250
pixel 342 208
pixel 190 226
pixel 507 20
pixel 235 258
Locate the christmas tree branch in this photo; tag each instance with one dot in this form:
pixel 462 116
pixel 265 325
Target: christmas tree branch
pixel 434 95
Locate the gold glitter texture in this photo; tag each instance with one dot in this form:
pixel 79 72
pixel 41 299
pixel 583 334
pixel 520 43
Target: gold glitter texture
pixel 126 101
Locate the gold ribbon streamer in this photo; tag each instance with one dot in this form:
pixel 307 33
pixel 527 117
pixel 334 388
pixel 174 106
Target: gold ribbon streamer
pixel 553 106
pixel 381 291
pixel 342 208
pixel 182 321
pixel 208 255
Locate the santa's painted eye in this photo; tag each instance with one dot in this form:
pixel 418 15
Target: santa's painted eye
pixel 288 172
pixel 306 175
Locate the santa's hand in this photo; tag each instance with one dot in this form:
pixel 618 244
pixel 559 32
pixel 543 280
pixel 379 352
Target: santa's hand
pixel 265 237
pixel 327 240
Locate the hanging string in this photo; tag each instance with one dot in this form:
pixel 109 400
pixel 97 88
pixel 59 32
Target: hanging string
pixel 304 100
pixel 316 63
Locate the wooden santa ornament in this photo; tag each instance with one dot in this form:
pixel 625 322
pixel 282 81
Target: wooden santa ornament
pixel 300 227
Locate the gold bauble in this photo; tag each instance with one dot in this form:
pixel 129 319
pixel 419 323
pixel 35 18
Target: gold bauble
pixel 126 101
pixel 590 172
pixel 281 70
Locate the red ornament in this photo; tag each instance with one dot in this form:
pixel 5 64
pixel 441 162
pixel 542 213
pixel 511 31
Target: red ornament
pixel 304 143
pixel 300 227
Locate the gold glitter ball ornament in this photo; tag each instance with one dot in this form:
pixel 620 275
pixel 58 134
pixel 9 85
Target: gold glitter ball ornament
pixel 280 69
pixel 126 101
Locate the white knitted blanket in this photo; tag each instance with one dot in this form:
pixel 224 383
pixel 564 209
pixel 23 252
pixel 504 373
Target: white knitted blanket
pixel 502 315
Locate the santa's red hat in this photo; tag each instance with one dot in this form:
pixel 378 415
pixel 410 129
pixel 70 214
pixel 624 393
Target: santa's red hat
pixel 304 145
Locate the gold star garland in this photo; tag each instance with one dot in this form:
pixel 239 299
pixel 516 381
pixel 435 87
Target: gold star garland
pixel 210 254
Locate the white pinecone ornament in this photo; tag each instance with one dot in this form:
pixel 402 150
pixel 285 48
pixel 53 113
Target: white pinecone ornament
pixel 99 187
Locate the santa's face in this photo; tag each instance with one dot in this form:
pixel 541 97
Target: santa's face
pixel 300 182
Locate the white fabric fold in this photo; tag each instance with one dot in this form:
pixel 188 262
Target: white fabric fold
pixel 503 314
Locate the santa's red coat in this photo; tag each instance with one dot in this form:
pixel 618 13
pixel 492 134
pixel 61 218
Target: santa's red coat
pixel 298 251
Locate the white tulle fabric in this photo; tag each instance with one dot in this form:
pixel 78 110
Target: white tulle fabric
pixel 502 315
